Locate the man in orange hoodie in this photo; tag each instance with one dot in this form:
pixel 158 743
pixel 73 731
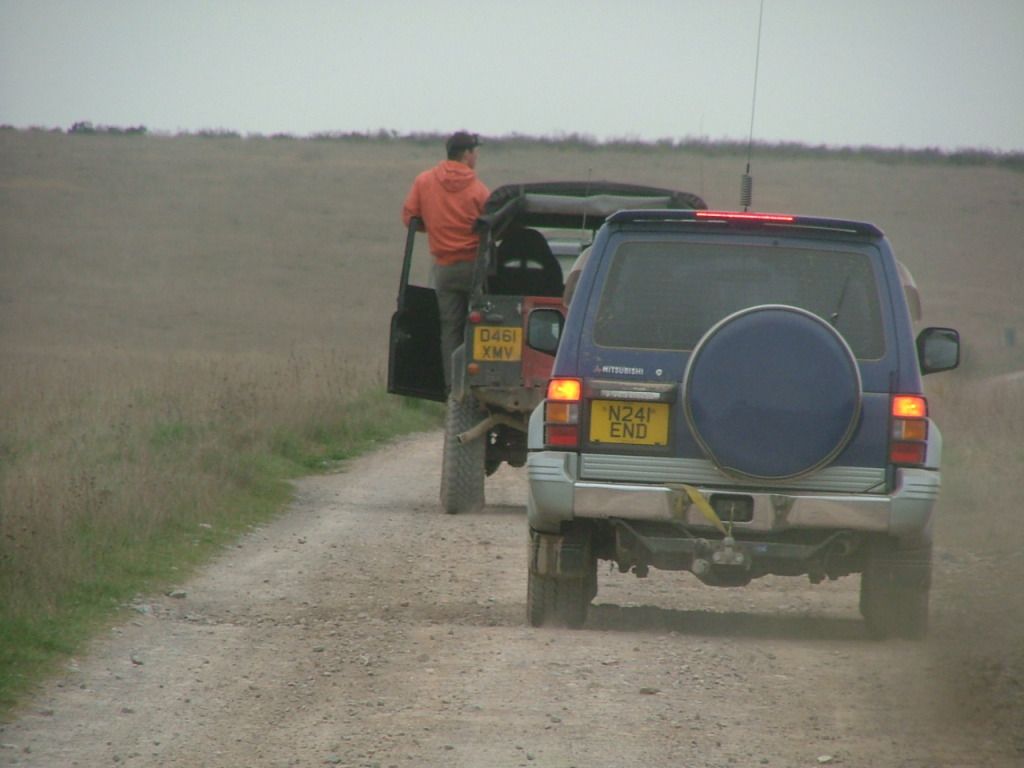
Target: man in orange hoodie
pixel 449 198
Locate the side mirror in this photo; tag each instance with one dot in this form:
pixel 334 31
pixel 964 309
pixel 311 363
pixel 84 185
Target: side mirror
pixel 938 349
pixel 544 329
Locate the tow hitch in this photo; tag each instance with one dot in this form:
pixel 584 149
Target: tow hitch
pixel 724 553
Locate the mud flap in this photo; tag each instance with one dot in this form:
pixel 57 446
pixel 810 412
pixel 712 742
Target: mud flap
pixel 894 591
pixel 563 556
pixel 904 569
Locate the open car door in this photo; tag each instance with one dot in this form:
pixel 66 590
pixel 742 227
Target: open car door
pixel 414 348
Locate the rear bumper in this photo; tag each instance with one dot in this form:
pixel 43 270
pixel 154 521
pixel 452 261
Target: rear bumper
pixel 556 495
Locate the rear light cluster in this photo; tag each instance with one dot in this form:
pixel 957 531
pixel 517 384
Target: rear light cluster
pixel 562 413
pixel 908 442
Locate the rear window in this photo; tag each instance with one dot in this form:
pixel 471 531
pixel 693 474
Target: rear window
pixel 666 295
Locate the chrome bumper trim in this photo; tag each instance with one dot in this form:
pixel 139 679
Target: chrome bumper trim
pixel 772 511
pixel 558 494
pixel 659 469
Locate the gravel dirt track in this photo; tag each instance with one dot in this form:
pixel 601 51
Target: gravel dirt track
pixel 366 628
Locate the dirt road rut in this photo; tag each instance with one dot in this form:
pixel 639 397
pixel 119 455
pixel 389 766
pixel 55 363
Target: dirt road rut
pixel 366 628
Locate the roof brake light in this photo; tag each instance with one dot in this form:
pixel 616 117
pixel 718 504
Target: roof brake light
pixel 742 216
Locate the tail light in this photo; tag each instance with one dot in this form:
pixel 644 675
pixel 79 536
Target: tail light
pixel 908 441
pixel 562 413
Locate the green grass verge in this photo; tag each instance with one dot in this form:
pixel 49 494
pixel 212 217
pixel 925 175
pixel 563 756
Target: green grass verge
pixel 148 557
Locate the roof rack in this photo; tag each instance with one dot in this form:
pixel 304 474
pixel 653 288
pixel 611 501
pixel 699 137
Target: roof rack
pixel 570 204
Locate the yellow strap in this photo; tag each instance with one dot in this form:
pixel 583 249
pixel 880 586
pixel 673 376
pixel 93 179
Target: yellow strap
pixel 702 504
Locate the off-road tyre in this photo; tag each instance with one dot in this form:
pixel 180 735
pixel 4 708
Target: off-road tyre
pixel 557 602
pixel 894 591
pixel 462 467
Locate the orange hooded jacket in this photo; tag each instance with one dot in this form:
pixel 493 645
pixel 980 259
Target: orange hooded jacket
pixel 448 197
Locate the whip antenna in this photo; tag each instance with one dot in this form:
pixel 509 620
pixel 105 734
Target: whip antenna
pixel 747 185
pixel 586 193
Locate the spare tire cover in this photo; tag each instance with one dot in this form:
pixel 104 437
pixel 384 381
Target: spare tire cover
pixel 772 392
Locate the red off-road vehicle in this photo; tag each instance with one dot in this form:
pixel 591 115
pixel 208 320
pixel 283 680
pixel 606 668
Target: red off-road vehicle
pixel 530 234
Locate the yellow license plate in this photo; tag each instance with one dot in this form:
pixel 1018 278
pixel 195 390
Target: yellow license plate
pixel 628 423
pixel 496 344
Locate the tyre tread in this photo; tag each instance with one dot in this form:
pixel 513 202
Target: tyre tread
pixel 462 470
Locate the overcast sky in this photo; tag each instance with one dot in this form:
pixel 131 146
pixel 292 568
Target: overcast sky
pixel 893 73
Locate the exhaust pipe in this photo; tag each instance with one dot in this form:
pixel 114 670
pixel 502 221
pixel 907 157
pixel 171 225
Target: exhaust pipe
pixel 487 425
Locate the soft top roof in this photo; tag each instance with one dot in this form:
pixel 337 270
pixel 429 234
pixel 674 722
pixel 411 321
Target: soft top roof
pixel 573 204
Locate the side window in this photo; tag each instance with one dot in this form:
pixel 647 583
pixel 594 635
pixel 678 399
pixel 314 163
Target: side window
pixel 422 261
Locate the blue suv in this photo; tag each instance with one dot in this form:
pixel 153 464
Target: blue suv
pixel 736 395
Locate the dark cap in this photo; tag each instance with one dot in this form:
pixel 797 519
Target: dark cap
pixel 461 140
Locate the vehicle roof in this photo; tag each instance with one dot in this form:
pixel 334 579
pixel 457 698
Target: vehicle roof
pixel 750 221
pixel 575 204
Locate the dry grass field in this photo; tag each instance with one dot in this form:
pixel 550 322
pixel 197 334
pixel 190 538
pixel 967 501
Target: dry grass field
pixel 166 303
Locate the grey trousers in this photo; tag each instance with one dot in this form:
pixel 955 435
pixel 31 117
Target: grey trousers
pixel 452 284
